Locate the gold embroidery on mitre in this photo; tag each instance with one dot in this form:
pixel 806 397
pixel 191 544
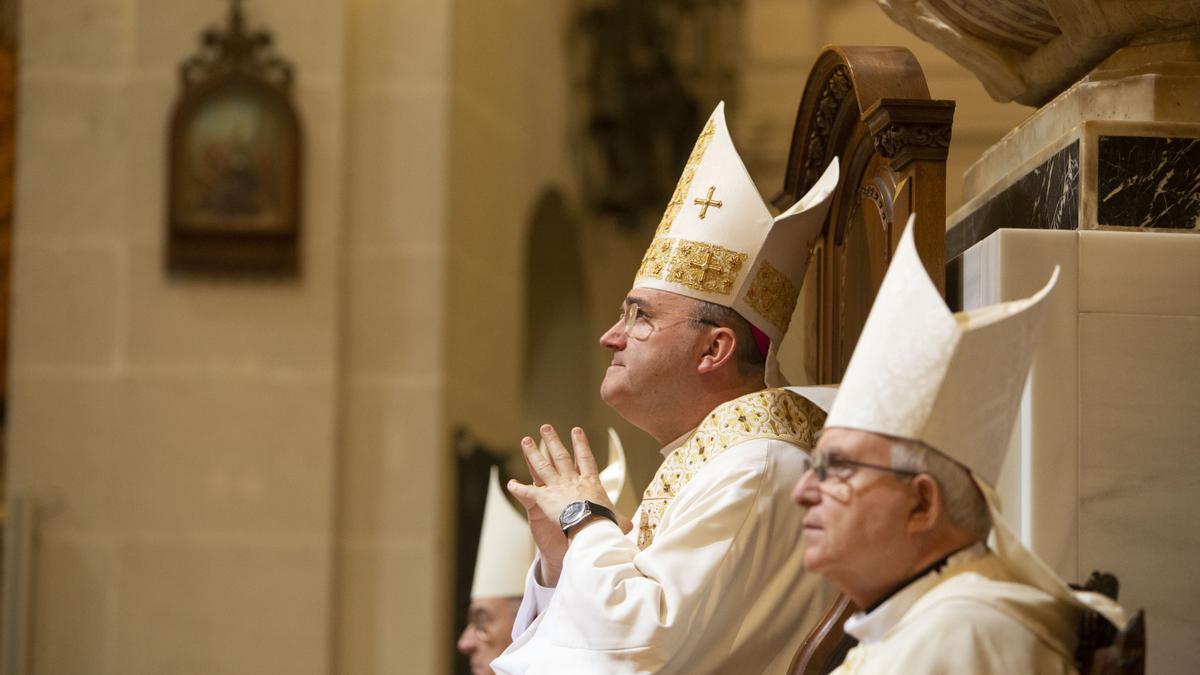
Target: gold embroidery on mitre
pixel 705 202
pixel 697 265
pixel 773 296
pixel 685 180
pixel 771 414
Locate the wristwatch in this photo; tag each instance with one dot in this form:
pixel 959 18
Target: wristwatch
pixel 577 512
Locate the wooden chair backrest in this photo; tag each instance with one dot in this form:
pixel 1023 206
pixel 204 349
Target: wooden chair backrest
pixel 870 107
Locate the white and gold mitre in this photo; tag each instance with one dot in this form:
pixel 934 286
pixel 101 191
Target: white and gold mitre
pixel 718 242
pixel 615 476
pixel 506 547
pixel 951 381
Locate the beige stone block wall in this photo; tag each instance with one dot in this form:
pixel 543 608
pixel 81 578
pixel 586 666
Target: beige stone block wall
pixel 508 148
pixel 178 435
pixel 392 590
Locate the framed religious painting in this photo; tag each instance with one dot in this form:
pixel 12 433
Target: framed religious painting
pixel 234 188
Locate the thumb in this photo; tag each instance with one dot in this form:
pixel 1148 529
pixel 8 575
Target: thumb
pixel 526 494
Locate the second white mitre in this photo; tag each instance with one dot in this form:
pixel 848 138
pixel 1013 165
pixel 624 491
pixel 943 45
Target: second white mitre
pixel 952 381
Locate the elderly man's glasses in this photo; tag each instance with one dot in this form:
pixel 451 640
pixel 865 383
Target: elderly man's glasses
pixel 637 322
pixel 827 465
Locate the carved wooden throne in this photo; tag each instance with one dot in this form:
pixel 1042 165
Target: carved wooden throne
pixel 869 106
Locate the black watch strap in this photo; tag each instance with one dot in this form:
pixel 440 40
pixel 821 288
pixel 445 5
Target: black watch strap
pixel 594 509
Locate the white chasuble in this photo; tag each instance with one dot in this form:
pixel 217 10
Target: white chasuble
pixel 718 584
pixel 968 617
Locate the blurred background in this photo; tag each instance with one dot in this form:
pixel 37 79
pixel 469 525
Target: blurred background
pixel 231 472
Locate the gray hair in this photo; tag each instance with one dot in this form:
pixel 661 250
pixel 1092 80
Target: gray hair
pixel 750 362
pixel 965 506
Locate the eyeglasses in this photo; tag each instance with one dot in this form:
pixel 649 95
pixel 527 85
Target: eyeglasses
pixel 828 465
pixel 637 323
pixel 481 623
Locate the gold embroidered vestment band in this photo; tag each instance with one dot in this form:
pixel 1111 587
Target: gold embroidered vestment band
pixel 698 265
pixel 768 414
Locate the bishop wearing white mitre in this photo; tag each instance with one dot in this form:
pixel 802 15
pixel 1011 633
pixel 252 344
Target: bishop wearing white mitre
pixel 505 552
pixel 900 499
pixel 709 575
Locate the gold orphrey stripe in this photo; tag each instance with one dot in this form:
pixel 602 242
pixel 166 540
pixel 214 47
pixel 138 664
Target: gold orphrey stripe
pixel 696 265
pixel 685 181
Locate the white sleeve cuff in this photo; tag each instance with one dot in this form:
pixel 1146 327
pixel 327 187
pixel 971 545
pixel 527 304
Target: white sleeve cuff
pixel 535 600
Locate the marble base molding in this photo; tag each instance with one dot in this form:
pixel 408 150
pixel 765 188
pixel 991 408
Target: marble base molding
pixel 1102 175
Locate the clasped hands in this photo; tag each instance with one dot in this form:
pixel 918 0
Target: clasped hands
pixel 558 480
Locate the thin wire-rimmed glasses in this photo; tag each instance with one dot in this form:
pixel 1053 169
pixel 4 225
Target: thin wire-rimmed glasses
pixel 827 465
pixel 637 323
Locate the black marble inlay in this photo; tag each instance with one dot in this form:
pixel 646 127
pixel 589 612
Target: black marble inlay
pixel 1046 198
pixel 1148 181
pixel 954 284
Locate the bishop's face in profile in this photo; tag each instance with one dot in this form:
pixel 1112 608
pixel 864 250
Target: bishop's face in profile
pixel 655 344
pixel 856 513
pixel 488 632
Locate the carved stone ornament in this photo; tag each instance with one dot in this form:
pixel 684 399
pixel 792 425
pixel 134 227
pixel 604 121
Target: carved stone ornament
pixel 235 158
pixel 1031 50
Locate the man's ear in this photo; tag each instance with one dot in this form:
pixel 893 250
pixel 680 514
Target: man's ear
pixel 927 507
pixel 718 349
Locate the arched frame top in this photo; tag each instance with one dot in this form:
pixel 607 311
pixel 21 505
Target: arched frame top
pixel 870 106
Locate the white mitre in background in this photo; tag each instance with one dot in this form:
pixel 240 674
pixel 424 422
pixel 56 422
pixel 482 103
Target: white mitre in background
pixel 718 242
pixel 953 382
pixel 615 476
pixel 506 547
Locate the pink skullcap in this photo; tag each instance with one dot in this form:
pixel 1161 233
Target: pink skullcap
pixel 760 339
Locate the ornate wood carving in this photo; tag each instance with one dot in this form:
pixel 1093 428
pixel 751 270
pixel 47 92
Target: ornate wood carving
pixel 906 130
pixel 869 106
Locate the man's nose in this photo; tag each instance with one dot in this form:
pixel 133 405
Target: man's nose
pixel 466 642
pixel 614 338
pixel 807 492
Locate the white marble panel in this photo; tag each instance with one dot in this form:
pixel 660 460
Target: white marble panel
pixel 1140 471
pixel 1139 273
pixel 1049 448
pixel 1037 481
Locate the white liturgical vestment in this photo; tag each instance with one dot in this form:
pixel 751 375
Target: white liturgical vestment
pixel 710 579
pixel 968 617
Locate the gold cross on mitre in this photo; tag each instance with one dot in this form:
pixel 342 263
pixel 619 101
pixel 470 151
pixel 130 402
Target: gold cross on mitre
pixel 707 202
pixel 704 265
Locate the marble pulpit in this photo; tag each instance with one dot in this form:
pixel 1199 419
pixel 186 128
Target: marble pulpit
pixel 1103 180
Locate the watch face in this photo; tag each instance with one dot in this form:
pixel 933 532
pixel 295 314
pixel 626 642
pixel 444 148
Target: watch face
pixel 572 513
